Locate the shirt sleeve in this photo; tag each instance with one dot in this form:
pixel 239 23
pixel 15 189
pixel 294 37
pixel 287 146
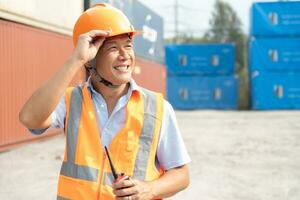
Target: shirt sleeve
pixel 58 118
pixel 171 150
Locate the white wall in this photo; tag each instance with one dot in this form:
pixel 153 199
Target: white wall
pixel 55 15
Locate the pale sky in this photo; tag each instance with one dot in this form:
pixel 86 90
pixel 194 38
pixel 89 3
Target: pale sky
pixel 194 15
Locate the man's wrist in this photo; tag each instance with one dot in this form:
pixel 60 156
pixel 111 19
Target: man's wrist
pixel 74 61
pixel 152 190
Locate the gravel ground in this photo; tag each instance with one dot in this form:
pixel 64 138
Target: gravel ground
pixel 236 155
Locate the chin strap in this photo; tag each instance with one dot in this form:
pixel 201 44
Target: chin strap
pixel 105 82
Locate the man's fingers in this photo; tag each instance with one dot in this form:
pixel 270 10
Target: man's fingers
pixel 133 197
pixel 98 42
pixel 94 35
pixel 126 191
pixel 123 184
pixel 98 33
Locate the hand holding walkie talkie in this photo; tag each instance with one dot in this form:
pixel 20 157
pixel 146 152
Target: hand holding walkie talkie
pixel 124 187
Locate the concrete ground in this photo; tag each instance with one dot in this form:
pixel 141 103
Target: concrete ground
pixel 236 156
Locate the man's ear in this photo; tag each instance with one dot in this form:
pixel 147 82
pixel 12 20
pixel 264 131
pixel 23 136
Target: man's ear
pixel 93 63
pixel 90 65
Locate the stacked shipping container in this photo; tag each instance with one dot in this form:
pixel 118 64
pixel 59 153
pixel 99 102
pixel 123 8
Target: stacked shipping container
pixel 201 76
pixel 275 55
pixel 34 43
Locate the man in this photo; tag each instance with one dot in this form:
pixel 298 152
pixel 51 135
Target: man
pixel 136 125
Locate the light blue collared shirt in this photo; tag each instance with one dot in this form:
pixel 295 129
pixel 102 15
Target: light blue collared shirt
pixel 171 151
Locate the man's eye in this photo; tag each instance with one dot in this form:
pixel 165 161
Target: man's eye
pixel 129 46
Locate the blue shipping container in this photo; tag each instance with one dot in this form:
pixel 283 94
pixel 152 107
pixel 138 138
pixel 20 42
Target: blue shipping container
pixel 150 44
pixel 200 59
pixel 271 19
pixel 202 92
pixel 275 90
pixel 275 54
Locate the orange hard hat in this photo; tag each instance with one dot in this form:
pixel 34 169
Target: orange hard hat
pixel 102 17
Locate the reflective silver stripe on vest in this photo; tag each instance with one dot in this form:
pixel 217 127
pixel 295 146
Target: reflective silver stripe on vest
pixel 61 198
pixel 146 137
pixel 73 122
pixel 69 168
pixel 108 178
pixel 79 171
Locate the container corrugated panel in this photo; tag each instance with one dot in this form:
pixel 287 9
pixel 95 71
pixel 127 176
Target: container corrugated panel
pixel 150 75
pixel 54 15
pixel 271 19
pixel 275 90
pixel 202 92
pixel 28 57
pixel 275 54
pixel 150 44
pixel 200 59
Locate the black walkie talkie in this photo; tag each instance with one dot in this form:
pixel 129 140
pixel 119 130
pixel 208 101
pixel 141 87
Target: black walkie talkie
pixel 113 170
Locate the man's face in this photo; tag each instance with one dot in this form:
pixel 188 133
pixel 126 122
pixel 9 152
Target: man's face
pixel 116 60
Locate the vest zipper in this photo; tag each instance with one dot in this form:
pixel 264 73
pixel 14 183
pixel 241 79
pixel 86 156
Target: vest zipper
pixel 101 175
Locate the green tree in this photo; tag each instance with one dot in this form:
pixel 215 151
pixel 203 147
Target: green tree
pixel 225 26
pixel 183 38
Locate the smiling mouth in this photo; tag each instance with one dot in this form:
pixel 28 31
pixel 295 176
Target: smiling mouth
pixel 121 67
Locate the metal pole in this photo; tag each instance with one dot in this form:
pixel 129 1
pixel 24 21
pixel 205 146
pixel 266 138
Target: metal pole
pixel 86 4
pixel 176 21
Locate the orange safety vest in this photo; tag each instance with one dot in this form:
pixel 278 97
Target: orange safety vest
pixel 85 171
